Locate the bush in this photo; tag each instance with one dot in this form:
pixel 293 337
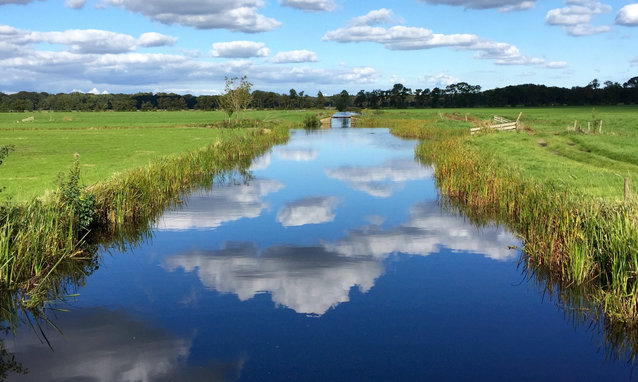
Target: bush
pixel 311 121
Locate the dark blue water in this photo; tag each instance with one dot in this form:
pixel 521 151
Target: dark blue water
pixel 334 263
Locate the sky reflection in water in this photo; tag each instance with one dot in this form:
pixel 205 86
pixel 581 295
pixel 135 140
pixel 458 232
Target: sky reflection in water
pixel 334 263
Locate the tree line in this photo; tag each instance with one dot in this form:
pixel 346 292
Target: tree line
pixel 459 94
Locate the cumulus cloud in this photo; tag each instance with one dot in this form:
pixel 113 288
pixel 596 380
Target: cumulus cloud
pixel 313 210
pixel 240 49
pixel 75 4
pixel 310 5
pixel 209 210
pixel 400 37
pixel 84 41
pixel 152 39
pixel 440 80
pixel 628 15
pixel 234 15
pixel 576 17
pixel 295 56
pixel 375 17
pixel 97 58
pixel 502 5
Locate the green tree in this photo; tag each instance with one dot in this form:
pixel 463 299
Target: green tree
pixel 236 96
pixel 342 100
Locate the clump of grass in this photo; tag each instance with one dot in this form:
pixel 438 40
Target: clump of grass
pixel 311 122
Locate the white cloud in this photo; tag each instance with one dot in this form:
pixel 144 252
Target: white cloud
pixel 104 59
pixel 153 39
pixel 628 15
pixel 440 80
pixel 556 65
pixel 310 5
pixel 313 210
pixel 502 5
pixel 374 17
pixel 240 49
pixel 576 17
pixel 295 56
pixel 75 4
pixel 400 37
pixel 84 41
pixel 235 15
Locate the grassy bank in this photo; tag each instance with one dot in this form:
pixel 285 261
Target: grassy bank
pixel 40 237
pixel 592 163
pixel 107 142
pixel 583 237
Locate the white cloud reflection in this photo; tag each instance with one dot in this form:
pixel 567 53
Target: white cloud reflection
pixel 210 209
pixel 308 280
pixel 107 346
pixel 313 210
pixel 311 280
pixel 297 155
pixel 382 180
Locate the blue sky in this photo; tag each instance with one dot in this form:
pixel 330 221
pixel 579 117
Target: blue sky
pixel 189 46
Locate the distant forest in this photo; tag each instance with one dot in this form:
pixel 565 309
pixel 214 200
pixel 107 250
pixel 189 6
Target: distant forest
pixel 460 94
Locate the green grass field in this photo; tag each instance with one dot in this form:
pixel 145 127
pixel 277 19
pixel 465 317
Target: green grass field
pixel 586 162
pixel 108 143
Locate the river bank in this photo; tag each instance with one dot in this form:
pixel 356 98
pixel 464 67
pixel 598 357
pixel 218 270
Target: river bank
pixel 581 241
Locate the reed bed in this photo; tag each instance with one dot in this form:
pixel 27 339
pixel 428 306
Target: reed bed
pixel 39 240
pixel 582 242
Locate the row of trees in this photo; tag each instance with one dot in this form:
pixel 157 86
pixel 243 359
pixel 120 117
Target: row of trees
pixel 460 94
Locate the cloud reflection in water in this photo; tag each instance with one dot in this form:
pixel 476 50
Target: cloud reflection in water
pixel 104 346
pixel 380 181
pixel 313 210
pixel 311 280
pixel 209 209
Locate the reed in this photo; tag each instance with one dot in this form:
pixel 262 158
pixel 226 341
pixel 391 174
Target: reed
pixel 40 238
pixel 582 242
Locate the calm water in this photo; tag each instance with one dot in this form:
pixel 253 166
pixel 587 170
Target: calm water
pixel 335 263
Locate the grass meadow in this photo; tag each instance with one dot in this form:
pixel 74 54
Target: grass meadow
pixel 547 150
pixel 108 143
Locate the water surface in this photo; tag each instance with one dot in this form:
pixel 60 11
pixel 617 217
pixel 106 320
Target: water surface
pixel 334 262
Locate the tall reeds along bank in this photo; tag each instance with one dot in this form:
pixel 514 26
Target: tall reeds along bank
pixel 40 238
pixel 581 242
pixel 144 192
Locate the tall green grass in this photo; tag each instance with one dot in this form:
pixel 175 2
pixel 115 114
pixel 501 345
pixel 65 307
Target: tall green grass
pixel 582 241
pixel 40 239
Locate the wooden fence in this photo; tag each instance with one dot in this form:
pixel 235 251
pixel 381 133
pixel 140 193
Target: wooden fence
pixel 501 123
